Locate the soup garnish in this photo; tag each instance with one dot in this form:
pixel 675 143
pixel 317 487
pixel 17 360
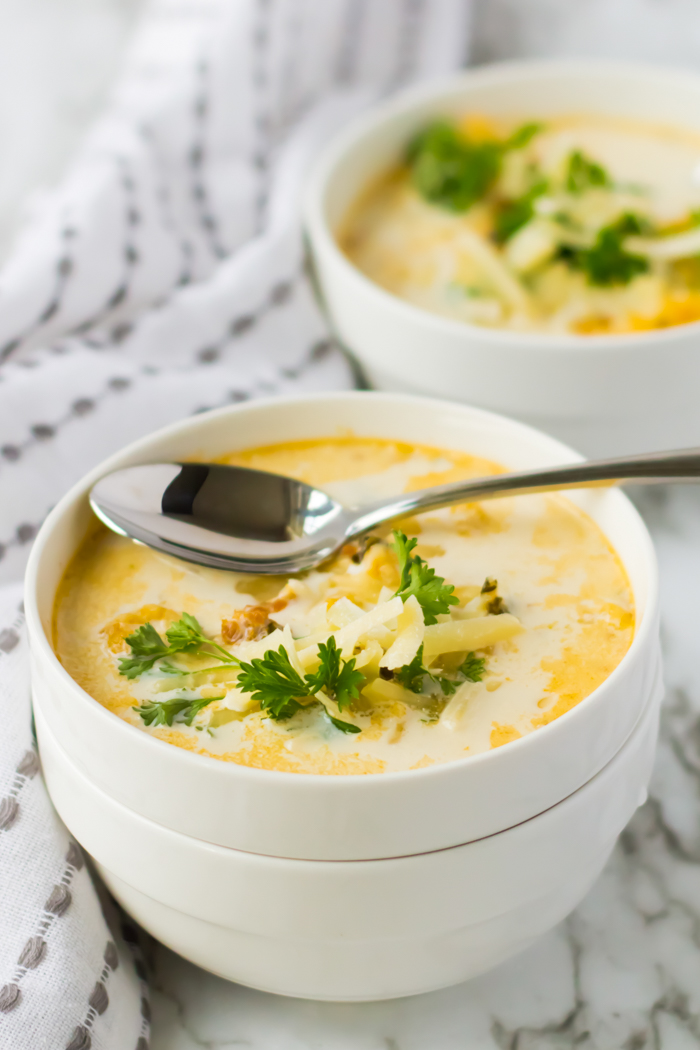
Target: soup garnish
pixel 459 631
pixel 584 225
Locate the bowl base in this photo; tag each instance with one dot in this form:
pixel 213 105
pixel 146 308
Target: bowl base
pixel 353 970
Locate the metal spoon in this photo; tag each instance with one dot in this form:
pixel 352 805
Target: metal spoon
pixel 251 521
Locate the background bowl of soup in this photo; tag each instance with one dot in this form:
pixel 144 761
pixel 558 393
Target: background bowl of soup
pixel 524 237
pixel 313 883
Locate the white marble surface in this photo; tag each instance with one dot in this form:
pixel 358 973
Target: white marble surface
pixel 624 972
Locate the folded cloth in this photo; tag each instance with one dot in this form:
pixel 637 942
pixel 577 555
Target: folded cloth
pixel 70 978
pixel 165 276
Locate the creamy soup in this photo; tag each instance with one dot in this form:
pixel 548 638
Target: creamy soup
pixel 578 224
pixel 457 632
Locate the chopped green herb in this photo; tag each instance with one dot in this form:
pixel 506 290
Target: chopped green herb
pixel 449 170
pixel 178 709
pixel 169 668
pixel 473 667
pixel 279 688
pixel 417 578
pixel 512 216
pixel 607 262
pixel 584 173
pixel 411 676
pixel 515 213
pixel 335 676
pixel 274 683
pixel 523 135
pixel 344 727
pixel 146 646
pixel 187 636
pixel 183 636
pixel 495 605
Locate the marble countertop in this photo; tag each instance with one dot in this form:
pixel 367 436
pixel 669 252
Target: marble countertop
pixel 622 973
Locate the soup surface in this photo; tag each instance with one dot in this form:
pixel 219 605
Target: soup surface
pixel 578 224
pixel 458 632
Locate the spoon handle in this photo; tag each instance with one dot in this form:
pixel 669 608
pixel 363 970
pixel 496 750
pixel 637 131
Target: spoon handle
pixel 680 465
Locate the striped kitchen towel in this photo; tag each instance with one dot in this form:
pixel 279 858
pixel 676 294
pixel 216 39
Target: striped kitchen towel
pixel 71 975
pixel 164 276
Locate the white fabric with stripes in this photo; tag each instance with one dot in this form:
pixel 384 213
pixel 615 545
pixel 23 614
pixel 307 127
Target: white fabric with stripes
pixel 163 277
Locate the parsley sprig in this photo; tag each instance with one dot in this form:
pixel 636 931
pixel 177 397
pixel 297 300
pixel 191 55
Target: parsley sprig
pixel 183 636
pixel 433 594
pixel 336 676
pixel 412 676
pixel 607 262
pixel 450 170
pixel 177 709
pixel 280 689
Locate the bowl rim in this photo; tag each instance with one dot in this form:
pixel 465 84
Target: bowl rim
pixel 648 717
pixel 39 641
pixel 327 166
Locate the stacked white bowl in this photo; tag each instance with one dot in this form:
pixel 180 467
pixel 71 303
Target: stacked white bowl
pixel 604 394
pixel 349 887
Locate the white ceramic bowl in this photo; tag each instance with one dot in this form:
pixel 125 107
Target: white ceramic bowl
pixel 354 929
pixel 602 394
pixel 346 817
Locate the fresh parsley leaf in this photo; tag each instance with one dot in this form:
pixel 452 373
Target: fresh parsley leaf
pixel 347 685
pixel 449 170
pixel 146 646
pixel 335 676
pixel 178 709
pixel 433 594
pixel 584 173
pixel 274 683
pixel 145 641
pixel 404 550
pixel 411 676
pixel 607 262
pixel 515 213
pixel 184 635
pixel 473 667
pixel 169 668
pixel 344 727
pixel 278 688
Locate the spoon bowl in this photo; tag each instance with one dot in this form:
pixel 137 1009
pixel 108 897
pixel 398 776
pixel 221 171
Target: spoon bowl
pixel 222 516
